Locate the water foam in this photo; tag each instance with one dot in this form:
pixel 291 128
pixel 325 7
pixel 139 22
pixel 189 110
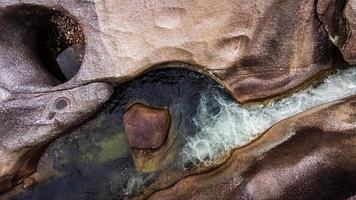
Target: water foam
pixel 233 125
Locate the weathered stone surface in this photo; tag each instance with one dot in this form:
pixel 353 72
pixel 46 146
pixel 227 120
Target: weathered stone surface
pixel 330 13
pixel 349 50
pixel 33 112
pixel 29 122
pixel 256 49
pixel 308 156
pixel 339 19
pixel 146 127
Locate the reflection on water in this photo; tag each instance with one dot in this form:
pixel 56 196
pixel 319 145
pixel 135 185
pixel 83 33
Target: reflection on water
pixel 94 161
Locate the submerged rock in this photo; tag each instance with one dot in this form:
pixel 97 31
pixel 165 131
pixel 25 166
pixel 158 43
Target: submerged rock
pixel 95 160
pixel 146 127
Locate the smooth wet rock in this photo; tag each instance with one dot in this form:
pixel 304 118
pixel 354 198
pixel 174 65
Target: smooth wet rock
pixel 146 127
pixel 308 156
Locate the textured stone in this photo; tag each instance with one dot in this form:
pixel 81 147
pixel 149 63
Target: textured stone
pixel 29 122
pixel 308 156
pixel 339 19
pixel 330 13
pixel 256 49
pixel 145 127
pixel 349 50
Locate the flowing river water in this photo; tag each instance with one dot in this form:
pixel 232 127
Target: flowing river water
pixel 235 125
pixel 95 162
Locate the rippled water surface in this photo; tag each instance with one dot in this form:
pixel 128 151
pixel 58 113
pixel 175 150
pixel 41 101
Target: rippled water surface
pixel 94 161
pixel 234 125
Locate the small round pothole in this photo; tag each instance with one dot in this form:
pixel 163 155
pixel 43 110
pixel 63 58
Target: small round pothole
pixel 61 104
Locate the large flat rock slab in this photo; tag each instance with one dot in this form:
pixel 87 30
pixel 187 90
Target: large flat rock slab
pixel 256 49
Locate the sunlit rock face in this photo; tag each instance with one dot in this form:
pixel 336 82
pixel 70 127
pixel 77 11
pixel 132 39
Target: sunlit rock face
pixel 256 49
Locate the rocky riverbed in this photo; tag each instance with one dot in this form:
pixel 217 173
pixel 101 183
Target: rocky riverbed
pixel 177 99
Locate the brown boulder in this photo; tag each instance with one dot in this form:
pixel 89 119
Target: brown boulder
pixel 146 127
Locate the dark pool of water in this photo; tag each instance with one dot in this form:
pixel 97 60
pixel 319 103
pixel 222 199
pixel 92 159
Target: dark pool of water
pixel 94 161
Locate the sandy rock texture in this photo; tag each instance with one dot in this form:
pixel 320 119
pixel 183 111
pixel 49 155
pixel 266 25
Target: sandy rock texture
pixel 29 122
pixel 308 156
pixel 31 117
pixel 256 49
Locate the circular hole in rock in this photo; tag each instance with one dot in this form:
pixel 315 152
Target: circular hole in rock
pixel 61 103
pixel 61 45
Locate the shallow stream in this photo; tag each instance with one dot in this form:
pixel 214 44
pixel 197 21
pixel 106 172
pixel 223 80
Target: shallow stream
pixel 95 162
